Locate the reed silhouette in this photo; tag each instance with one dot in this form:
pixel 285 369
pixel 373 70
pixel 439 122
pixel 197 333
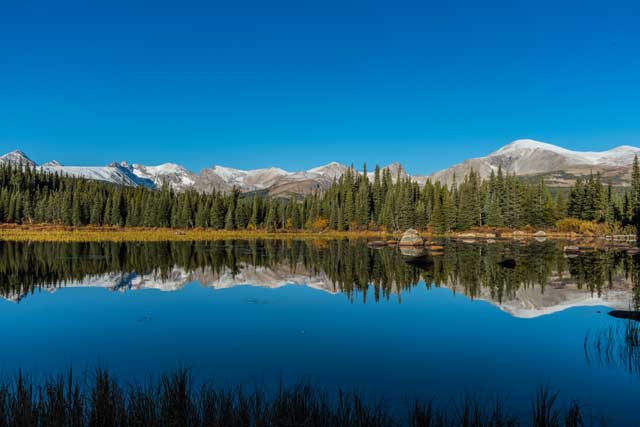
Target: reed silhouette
pixel 99 400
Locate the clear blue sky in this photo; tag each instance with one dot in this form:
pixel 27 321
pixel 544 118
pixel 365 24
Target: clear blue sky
pixel 299 83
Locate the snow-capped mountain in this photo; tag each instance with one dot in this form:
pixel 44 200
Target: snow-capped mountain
pixel 111 173
pixel 271 181
pixel 559 166
pixel 175 176
pixel 17 157
pixel 529 157
pixel 274 182
pixel 331 170
pixel 249 180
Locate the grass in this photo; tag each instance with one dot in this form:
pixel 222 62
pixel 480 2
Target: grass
pixel 58 233
pixel 174 400
pixel 52 233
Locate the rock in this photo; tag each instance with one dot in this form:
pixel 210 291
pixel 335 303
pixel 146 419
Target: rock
pixel 411 238
pixel 540 239
pixel 519 233
pixel 412 251
pixel 629 315
pixel 540 234
pixel 392 242
pixel 489 236
pixel 377 244
pixel 436 248
pixel 467 235
pixel 491 241
pixel 571 249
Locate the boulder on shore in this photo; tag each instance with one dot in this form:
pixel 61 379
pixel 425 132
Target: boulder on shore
pixel 411 238
pixel 540 234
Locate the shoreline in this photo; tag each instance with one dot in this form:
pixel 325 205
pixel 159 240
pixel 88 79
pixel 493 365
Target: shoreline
pixel 53 233
pixel 56 233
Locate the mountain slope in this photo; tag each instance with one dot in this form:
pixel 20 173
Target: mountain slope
pixel 528 157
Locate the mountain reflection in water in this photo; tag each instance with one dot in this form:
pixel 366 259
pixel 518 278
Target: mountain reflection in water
pixel 525 280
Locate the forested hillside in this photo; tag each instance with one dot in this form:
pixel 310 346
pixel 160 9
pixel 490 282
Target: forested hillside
pixel 353 202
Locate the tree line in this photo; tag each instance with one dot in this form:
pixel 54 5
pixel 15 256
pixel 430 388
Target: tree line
pixel 353 202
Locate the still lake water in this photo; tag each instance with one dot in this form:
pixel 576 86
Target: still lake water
pixel 493 321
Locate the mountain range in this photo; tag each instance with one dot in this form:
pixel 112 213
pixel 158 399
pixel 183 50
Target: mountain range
pixel 528 158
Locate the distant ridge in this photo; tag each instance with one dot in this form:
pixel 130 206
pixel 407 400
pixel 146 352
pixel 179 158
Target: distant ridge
pixel 523 157
pixel 560 166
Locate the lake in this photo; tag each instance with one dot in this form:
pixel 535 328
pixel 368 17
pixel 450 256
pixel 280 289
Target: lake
pixel 489 320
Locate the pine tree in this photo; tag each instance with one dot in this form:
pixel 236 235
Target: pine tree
pixel 438 219
pixel 230 219
pixel 635 199
pixel 576 200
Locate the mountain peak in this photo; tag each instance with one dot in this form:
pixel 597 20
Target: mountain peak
pixel 332 170
pixel 16 157
pixel 529 145
pixel 17 153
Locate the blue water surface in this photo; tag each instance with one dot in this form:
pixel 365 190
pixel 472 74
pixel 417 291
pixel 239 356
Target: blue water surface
pixel 425 342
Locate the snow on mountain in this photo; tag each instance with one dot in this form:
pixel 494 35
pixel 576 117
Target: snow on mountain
pixel 110 174
pixel 527 157
pixel 521 157
pixel 331 170
pixel 526 148
pixel 278 182
pixel 176 176
pixel 16 157
pixel 53 163
pixel 249 180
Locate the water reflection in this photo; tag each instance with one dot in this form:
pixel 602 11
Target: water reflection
pixel 615 346
pixel 526 280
